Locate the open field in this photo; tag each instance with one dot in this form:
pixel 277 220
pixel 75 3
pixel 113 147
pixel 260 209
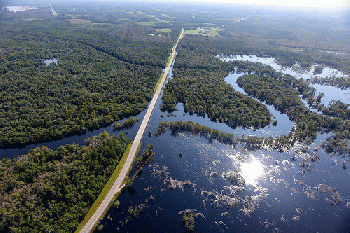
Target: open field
pixel 165 30
pixel 83 21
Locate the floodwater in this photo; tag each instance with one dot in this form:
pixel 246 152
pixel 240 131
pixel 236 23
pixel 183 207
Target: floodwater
pixel 226 188
pixel 330 92
pixel 50 61
pixel 232 189
pixel 284 125
pixel 76 139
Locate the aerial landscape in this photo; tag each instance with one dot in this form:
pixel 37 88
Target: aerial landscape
pixel 163 116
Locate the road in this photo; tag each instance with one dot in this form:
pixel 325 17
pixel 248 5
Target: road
pixel 118 184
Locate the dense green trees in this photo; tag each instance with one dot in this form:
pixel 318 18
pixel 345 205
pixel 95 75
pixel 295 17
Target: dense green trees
pixel 231 44
pixel 51 191
pixel 336 109
pixel 282 91
pixel 199 84
pixel 103 74
pixel 195 128
pixel 340 82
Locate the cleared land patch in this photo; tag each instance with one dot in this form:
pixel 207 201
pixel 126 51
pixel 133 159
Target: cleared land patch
pixel 166 30
pixel 83 21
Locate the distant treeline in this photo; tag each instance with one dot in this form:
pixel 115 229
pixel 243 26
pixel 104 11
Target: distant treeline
pixel 231 45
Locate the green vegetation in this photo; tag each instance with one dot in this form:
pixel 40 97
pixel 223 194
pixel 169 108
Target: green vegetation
pixel 104 73
pixel 282 91
pixel 126 123
pixel 49 190
pixel 106 190
pixel 205 31
pixel 336 109
pixel 188 221
pixel 195 128
pixel 146 23
pixel 285 99
pixel 343 83
pixel 214 134
pixel 142 161
pixel 192 31
pixel 199 83
pixel 167 30
pixel 158 82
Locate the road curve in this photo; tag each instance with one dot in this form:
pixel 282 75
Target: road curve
pixel 118 184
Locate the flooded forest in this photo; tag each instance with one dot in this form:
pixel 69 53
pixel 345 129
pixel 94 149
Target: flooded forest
pixel 250 133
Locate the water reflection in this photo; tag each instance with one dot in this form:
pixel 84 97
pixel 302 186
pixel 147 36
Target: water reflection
pixel 252 171
pixel 330 92
pixel 232 188
pixel 50 61
pixel 284 125
pixel 295 70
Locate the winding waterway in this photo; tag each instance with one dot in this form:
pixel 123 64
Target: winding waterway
pixel 330 92
pixel 226 188
pixel 231 189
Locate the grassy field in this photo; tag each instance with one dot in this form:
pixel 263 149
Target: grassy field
pixel 151 23
pixel 159 81
pixel 208 31
pixel 192 31
pixel 84 21
pixel 164 30
pixel 105 190
pixel 215 31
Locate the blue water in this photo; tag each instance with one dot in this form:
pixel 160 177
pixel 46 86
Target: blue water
pixel 277 209
pixel 77 139
pixel 281 194
pixel 287 195
pixel 330 92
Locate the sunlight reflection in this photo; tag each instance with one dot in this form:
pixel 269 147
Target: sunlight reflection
pixel 252 171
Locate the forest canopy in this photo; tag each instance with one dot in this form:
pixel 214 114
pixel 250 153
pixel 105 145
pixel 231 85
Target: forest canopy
pixel 51 191
pixel 102 74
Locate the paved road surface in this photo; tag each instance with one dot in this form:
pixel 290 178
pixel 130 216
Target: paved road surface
pixel 118 184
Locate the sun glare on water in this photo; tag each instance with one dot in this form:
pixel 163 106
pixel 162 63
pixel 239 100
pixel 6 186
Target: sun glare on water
pixel 252 171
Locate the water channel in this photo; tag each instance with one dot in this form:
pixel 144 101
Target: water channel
pixel 230 189
pixel 331 93
pixel 226 188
